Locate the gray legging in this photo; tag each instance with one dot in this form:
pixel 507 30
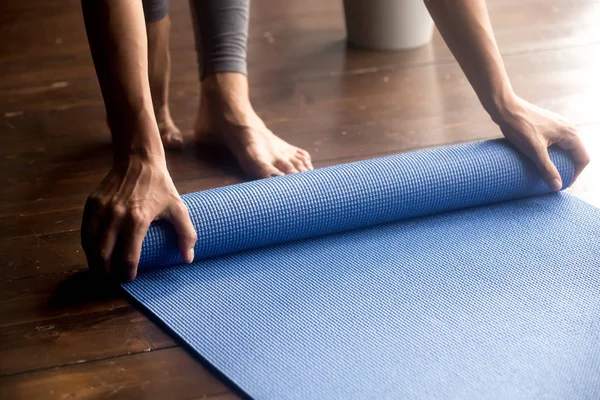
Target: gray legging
pixel 220 29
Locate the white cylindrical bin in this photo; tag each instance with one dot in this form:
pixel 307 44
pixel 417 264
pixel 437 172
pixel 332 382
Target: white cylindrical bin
pixel 388 24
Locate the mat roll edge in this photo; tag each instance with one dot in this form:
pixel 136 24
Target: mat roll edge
pixel 352 196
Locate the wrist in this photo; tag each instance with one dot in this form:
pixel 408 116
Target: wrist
pixel 136 136
pixel 136 162
pixel 501 105
pixel 141 149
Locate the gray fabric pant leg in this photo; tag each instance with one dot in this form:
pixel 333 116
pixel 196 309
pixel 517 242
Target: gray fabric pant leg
pixel 220 29
pixel 155 10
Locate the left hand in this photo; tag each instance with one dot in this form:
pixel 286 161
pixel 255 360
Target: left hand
pixel 532 130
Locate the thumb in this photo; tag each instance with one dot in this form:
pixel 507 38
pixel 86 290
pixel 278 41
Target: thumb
pixel 546 167
pixel 177 214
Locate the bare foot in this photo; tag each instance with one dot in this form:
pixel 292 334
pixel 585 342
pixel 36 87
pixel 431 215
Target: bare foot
pixel 259 152
pixel 169 133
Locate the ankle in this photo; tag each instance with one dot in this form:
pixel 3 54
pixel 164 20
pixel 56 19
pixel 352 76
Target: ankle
pixel 225 96
pixel 162 114
pixel 229 89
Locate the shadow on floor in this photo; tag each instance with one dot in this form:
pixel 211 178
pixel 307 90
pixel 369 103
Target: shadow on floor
pixel 83 288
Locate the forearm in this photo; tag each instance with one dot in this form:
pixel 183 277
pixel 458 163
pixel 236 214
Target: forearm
pixel 117 37
pixel 466 29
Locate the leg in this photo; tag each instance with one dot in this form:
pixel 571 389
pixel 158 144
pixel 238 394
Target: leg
pixel 158 25
pixel 225 115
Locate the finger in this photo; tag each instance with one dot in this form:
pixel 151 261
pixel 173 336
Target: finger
pixel 133 232
pixel 89 230
pixel 285 166
pixel 107 237
pixel 178 215
pixel 95 222
pixel 541 159
pixel 575 147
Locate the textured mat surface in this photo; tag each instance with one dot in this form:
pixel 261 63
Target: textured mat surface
pixel 446 273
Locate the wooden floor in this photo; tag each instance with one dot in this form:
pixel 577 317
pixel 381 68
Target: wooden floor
pixel 63 337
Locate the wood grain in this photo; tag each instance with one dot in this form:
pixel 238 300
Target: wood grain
pixel 80 337
pixel 164 374
pixel 50 296
pixel 66 334
pixel 442 109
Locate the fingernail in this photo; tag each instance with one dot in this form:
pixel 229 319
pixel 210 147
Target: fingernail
pixel 556 184
pixel 190 255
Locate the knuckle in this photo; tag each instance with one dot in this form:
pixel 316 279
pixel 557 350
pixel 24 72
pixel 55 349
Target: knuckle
pixel 182 208
pixel 585 159
pixel 95 203
pixel 118 210
pixel 540 149
pixel 572 130
pixel 539 142
pixel 137 215
pixel 94 199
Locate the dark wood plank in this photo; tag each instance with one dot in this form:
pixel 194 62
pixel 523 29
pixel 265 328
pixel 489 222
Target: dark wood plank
pixel 40 255
pixel 394 111
pixel 299 32
pixel 62 334
pixel 284 103
pixel 78 338
pixel 52 296
pixel 165 374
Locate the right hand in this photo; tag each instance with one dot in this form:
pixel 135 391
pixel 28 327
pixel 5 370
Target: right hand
pixel 117 215
pixel 532 130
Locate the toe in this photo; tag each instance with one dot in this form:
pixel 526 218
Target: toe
pixel 171 135
pixel 260 170
pixel 285 166
pixel 172 140
pixel 305 158
pixel 267 171
pixel 298 164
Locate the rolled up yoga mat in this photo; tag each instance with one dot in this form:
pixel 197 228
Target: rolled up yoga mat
pixel 446 273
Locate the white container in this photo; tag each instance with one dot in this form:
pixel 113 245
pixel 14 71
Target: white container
pixel 388 24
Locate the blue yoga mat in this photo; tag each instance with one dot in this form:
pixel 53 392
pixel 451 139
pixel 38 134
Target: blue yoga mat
pixel 447 273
